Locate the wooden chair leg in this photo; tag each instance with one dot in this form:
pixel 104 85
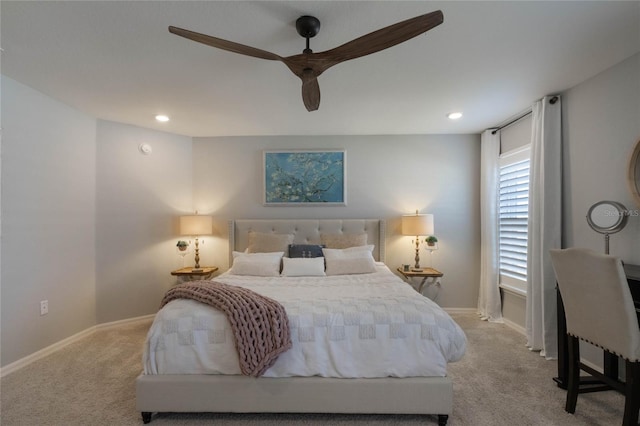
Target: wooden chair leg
pixel 632 394
pixel 574 374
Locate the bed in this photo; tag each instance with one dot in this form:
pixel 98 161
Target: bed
pixel 290 386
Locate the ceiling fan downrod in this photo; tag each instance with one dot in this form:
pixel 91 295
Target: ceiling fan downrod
pixel 308 27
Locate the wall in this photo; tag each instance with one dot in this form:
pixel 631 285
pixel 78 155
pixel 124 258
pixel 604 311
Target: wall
pixel 48 214
pixel 600 129
pixel 139 198
pixel 601 126
pixel 387 176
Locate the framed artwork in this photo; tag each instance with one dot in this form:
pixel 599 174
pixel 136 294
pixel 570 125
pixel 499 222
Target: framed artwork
pixel 295 178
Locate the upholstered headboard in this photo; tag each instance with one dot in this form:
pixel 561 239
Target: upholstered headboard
pixel 307 231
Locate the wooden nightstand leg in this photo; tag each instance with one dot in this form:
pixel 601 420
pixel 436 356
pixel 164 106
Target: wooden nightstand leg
pixel 422 283
pixel 433 282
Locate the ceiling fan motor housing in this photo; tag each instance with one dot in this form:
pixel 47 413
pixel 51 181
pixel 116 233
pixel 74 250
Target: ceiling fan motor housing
pixel 308 26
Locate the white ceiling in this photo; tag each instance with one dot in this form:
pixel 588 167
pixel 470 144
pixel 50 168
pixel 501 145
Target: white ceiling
pixel 117 61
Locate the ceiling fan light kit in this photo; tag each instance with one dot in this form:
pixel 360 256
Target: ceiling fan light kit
pixel 308 66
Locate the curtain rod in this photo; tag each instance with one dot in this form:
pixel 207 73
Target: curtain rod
pixel 495 130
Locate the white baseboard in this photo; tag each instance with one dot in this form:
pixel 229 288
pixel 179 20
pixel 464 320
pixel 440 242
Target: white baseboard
pixel 23 362
pixel 460 310
pixel 514 326
pixel 111 324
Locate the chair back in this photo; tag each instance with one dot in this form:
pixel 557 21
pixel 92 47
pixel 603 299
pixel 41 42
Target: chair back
pixel 597 300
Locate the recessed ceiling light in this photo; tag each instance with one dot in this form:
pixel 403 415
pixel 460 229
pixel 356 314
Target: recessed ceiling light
pixel 162 118
pixel 454 115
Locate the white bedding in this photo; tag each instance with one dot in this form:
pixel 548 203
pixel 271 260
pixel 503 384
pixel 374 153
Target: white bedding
pixel 345 326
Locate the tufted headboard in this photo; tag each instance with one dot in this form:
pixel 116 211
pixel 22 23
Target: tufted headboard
pixel 307 231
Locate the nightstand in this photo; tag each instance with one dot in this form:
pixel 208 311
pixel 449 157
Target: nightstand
pixel 429 278
pixel 188 274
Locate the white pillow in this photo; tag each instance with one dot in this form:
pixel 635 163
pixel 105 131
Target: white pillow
pixel 353 260
pixel 256 264
pixel 303 267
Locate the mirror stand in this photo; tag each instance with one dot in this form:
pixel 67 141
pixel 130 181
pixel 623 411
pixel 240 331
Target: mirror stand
pixel 607 217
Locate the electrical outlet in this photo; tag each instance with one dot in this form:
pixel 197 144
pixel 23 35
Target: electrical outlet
pixel 44 307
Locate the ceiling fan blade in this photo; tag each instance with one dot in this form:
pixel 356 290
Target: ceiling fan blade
pixel 225 44
pixel 310 90
pixel 381 39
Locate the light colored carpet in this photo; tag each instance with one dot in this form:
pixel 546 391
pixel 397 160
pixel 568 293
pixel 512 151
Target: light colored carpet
pixel 498 382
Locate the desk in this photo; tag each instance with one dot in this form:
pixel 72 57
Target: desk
pixel 588 384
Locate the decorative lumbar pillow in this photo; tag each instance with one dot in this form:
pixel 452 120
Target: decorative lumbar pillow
pixel 354 260
pixel 256 264
pixel 262 242
pixel 342 241
pixel 305 250
pixel 303 267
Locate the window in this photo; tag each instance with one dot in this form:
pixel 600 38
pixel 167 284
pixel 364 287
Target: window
pixel 513 206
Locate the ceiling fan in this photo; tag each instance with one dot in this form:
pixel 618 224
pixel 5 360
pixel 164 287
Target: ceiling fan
pixel 309 65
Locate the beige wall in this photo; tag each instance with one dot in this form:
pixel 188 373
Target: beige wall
pixel 387 176
pixel 48 220
pixel 138 199
pixel 601 128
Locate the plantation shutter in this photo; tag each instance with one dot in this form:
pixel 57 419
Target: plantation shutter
pixel 513 217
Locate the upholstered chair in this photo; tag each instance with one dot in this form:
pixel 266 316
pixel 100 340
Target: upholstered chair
pixel 599 310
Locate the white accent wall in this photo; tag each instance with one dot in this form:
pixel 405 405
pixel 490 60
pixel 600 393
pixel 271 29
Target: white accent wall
pixel 48 220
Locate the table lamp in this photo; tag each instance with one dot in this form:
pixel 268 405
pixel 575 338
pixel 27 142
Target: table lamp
pixel 195 226
pixel 417 225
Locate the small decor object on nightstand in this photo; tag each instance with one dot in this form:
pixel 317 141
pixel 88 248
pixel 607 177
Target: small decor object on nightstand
pixel 182 249
pixel 432 242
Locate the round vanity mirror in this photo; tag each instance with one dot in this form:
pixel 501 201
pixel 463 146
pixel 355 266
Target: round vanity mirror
pixel 634 174
pixel 607 217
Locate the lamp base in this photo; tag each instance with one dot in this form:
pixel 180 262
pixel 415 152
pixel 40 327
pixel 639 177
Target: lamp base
pixel 417 258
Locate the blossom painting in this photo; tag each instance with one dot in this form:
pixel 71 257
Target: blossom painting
pixel 304 177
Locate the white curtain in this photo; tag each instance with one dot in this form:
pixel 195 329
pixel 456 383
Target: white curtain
pixel 545 221
pixel 489 305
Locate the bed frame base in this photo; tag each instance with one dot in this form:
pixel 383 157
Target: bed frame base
pixel 442 418
pixel 241 394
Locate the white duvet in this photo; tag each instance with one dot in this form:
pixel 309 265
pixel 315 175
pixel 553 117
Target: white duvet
pixel 367 325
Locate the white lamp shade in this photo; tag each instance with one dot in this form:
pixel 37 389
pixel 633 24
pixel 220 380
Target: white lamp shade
pixel 196 225
pixel 416 225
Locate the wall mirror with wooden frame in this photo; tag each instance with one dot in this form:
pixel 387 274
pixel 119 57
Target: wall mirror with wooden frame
pixel 634 174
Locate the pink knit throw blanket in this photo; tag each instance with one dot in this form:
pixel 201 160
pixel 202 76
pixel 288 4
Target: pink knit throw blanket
pixel 259 324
